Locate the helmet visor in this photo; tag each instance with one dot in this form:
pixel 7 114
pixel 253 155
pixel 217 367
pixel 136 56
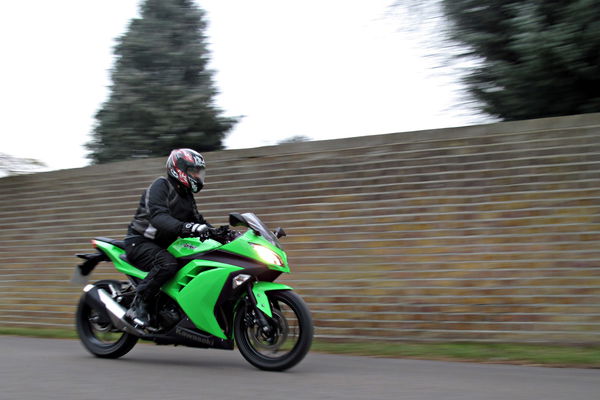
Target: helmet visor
pixel 198 173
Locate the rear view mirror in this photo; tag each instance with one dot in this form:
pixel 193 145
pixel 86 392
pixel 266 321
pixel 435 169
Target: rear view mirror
pixel 236 219
pixel 279 232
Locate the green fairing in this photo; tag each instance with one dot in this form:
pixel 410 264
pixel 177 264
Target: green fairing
pixel 262 301
pixel 185 247
pixel 198 297
pixel 242 247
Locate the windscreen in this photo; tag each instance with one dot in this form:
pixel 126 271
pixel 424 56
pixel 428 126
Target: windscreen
pixel 257 226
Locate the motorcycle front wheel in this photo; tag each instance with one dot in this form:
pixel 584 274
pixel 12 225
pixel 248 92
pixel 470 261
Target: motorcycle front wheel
pixel 97 335
pixel 288 340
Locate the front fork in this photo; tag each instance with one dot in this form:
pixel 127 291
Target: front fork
pixel 260 314
pixel 259 301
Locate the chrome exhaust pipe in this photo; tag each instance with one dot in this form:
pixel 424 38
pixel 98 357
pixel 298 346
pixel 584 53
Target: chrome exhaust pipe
pixel 101 301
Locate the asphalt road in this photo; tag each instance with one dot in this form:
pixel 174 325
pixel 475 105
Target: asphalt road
pixel 62 369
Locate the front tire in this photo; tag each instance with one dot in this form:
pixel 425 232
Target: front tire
pixel 99 336
pixel 290 337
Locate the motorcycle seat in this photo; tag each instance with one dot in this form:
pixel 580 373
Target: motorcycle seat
pixel 119 243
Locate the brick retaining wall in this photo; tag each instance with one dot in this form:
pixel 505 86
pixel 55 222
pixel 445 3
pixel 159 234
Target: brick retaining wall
pixel 488 232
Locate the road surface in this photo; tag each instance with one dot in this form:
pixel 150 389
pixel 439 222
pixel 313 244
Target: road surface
pixel 34 369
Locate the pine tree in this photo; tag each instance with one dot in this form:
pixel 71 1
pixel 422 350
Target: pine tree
pixel 535 58
pixel 162 92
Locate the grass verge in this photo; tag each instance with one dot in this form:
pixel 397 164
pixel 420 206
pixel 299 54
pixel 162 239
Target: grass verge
pixel 509 353
pixel 39 332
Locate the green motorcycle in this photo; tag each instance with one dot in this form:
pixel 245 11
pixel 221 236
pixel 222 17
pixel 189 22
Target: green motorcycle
pixel 224 294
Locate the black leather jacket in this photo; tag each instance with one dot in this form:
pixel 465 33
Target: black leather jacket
pixel 164 207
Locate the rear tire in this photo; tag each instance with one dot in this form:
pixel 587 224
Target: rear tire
pixel 100 337
pixel 261 351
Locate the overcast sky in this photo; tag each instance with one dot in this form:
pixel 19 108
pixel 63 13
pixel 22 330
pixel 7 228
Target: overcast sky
pixel 318 68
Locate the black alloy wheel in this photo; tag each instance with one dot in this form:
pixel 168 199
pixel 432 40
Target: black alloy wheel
pixel 288 340
pixel 97 334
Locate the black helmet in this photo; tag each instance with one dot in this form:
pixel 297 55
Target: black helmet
pixel 188 167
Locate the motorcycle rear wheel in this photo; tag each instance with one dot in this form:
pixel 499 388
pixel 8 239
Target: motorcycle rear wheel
pixel 290 337
pixel 100 337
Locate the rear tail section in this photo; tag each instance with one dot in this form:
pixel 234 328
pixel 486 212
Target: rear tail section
pixel 83 270
pixel 107 250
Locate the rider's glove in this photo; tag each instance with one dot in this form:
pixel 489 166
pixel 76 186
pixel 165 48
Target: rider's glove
pixel 190 229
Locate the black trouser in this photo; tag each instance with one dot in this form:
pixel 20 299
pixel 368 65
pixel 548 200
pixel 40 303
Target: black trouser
pixel 148 256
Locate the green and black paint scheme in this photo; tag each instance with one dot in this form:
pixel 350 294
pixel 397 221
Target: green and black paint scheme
pixel 198 306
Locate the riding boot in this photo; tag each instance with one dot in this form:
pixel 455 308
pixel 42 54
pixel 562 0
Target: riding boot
pixel 138 312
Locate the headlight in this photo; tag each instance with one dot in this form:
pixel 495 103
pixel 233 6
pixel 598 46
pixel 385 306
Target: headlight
pixel 267 255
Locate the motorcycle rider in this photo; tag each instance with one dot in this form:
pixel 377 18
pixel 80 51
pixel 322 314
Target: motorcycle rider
pixel 167 210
